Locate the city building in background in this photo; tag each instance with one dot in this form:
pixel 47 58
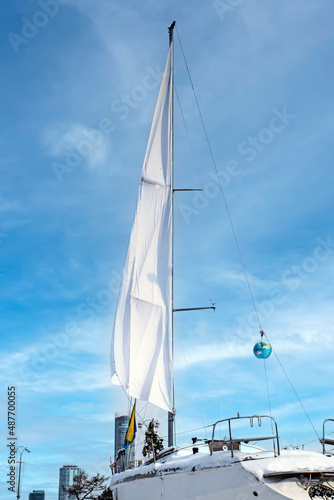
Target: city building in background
pixel 126 461
pixel 66 475
pixel 37 495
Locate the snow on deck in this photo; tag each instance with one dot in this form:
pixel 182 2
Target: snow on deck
pixel 288 461
pixel 259 464
pixel 178 462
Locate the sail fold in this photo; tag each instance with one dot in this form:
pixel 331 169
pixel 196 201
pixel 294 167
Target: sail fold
pixel 141 358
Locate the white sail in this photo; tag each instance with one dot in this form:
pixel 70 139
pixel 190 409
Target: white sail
pixel 141 358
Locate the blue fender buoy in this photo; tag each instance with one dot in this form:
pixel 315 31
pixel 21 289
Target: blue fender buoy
pixel 262 350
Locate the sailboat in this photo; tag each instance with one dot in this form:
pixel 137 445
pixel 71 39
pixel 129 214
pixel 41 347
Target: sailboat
pixel 142 362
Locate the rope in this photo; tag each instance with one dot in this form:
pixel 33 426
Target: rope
pixel 227 210
pixel 220 185
pixel 236 241
pixel 268 394
pixel 294 390
pixel 226 207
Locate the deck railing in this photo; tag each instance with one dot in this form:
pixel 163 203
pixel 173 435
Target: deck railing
pixel 232 442
pixel 325 440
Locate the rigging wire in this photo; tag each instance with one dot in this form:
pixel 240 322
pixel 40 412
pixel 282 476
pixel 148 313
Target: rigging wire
pixel 268 394
pixel 314 440
pixel 129 398
pixel 179 434
pixel 188 370
pixel 184 231
pixel 310 442
pixel 193 430
pixel 236 240
pixel 227 208
pixel 143 419
pixel 188 137
pixel 220 184
pixel 201 185
pixel 242 263
pixel 294 390
pixel 267 385
pixel 185 235
pixel 179 337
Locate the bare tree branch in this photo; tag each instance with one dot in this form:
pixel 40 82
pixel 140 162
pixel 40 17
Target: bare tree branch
pixel 86 488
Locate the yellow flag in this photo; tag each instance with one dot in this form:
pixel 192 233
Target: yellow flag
pixel 132 429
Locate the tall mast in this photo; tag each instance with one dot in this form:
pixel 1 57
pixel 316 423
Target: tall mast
pixel 170 414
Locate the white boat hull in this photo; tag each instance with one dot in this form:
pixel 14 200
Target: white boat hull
pixel 216 484
pixel 223 479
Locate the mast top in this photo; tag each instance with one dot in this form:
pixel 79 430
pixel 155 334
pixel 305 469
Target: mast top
pixel 170 31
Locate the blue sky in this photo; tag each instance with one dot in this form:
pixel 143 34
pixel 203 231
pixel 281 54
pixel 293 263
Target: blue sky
pixel 78 88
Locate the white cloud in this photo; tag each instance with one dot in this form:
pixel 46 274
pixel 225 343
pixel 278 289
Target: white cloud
pixel 76 142
pixel 205 353
pixel 7 205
